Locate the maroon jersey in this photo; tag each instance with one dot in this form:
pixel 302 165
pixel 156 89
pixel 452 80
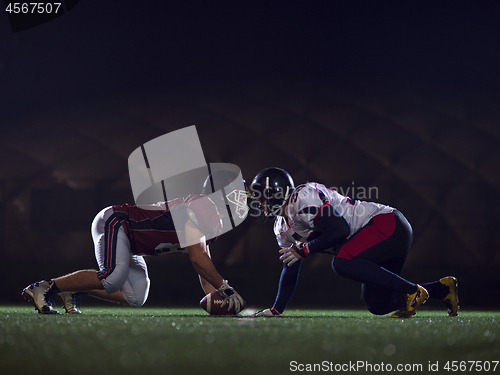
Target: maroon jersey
pixel 152 232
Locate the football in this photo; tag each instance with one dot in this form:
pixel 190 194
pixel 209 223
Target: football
pixel 212 304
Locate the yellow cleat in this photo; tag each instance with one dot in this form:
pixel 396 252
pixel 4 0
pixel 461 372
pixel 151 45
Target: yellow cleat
pixel 400 314
pixel 451 299
pixel 71 302
pixel 411 302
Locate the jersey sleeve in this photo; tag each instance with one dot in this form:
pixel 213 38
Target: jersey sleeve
pixel 308 201
pixel 280 230
pixel 327 225
pixel 333 229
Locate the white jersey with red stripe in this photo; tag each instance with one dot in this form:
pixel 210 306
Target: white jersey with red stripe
pixel 305 206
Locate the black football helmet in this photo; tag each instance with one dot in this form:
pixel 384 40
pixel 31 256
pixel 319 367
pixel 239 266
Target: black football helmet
pixel 269 190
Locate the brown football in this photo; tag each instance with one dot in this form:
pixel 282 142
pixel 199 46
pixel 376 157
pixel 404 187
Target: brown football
pixel 212 304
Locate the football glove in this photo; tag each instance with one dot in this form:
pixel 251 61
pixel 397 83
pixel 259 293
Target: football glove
pixel 231 297
pixel 288 257
pixel 267 312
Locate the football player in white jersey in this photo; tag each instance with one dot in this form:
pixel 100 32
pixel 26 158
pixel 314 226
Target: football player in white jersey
pixel 369 241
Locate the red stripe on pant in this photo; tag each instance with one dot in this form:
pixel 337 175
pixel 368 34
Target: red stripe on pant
pixel 108 261
pixel 110 242
pixel 381 228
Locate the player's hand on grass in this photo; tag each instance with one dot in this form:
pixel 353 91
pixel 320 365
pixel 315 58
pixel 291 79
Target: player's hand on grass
pixel 267 312
pixel 231 297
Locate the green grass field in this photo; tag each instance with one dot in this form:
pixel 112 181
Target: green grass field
pixel 120 340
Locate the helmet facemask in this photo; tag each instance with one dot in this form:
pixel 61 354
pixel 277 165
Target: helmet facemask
pixel 270 189
pixel 271 201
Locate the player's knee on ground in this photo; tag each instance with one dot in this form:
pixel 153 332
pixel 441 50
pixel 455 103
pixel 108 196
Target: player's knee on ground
pixel 135 302
pixel 378 310
pixel 136 293
pixel 379 300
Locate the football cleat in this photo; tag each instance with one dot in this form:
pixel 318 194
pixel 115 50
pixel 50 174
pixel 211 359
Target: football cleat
pixel 411 302
pixel 71 302
pixel 400 314
pixel 42 297
pixel 267 312
pixel 451 299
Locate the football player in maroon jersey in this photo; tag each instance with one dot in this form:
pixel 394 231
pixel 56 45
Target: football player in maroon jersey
pixel 123 234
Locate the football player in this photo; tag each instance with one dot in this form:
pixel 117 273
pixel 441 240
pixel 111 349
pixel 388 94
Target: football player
pixel 124 234
pixel 369 241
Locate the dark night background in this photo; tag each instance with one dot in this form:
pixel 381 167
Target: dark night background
pixel 401 96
